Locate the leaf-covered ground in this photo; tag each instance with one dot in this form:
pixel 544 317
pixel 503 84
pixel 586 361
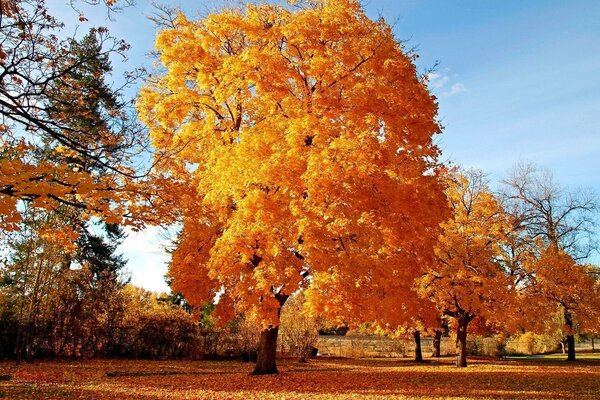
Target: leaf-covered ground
pixel 319 379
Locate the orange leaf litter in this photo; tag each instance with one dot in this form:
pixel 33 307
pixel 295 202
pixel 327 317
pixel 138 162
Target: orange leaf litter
pixel 317 379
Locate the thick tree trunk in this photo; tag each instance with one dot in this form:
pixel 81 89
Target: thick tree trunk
pixel 267 348
pixel 418 352
pixel 570 337
pixel 461 340
pixel 437 343
pixel 570 348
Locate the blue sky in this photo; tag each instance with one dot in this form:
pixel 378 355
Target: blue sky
pixel 516 80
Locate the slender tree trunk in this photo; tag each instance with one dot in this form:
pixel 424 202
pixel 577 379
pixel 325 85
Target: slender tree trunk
pixel 19 344
pixel 267 347
pixel 30 335
pixel 570 337
pixel 29 350
pixel 437 343
pixel 418 352
pixel 461 340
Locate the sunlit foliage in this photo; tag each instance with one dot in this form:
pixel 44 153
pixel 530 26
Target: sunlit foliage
pixel 305 138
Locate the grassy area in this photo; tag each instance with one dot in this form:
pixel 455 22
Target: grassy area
pixel 527 378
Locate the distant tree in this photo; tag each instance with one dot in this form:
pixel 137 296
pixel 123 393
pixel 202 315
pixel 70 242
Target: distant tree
pixel 64 298
pixel 98 251
pixel 551 224
pixel 438 333
pixel 31 276
pixel 466 281
pixel 545 210
pixel 571 287
pixel 299 329
pixel 426 320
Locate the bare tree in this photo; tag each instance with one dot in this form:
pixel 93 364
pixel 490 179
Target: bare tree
pixel 547 211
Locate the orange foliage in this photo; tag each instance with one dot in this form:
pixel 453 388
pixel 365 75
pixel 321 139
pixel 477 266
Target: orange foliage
pixel 47 185
pixel 306 140
pixel 466 279
pixel 564 283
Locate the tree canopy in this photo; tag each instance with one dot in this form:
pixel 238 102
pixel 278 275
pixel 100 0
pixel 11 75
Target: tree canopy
pixel 305 140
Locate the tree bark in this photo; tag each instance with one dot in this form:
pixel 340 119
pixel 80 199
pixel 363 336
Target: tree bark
pixel 570 348
pixel 570 337
pixel 267 346
pixel 418 352
pixel 461 340
pixel 437 343
pixel 267 349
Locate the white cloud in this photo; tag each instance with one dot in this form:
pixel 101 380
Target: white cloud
pixel 455 89
pixel 436 80
pixel 438 83
pixel 147 258
pixel 150 240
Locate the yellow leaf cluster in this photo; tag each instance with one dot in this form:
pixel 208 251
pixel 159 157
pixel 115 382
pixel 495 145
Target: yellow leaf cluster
pixel 466 278
pixel 306 137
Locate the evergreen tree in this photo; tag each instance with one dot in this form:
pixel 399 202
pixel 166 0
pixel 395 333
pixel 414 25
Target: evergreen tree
pixel 65 292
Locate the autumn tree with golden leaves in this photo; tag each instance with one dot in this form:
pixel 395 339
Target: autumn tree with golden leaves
pixel 561 285
pixel 304 138
pixel 467 281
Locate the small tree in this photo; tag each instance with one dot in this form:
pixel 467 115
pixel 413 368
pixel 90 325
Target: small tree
pixel 552 225
pixel 545 210
pixel 466 281
pixel 571 287
pixel 438 333
pixel 299 329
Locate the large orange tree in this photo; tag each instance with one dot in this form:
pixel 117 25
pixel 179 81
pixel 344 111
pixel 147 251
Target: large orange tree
pixel 304 138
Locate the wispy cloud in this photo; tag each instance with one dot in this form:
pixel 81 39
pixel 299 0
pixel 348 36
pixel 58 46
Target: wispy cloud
pixel 455 89
pixel 149 240
pixel 436 80
pixel 438 83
